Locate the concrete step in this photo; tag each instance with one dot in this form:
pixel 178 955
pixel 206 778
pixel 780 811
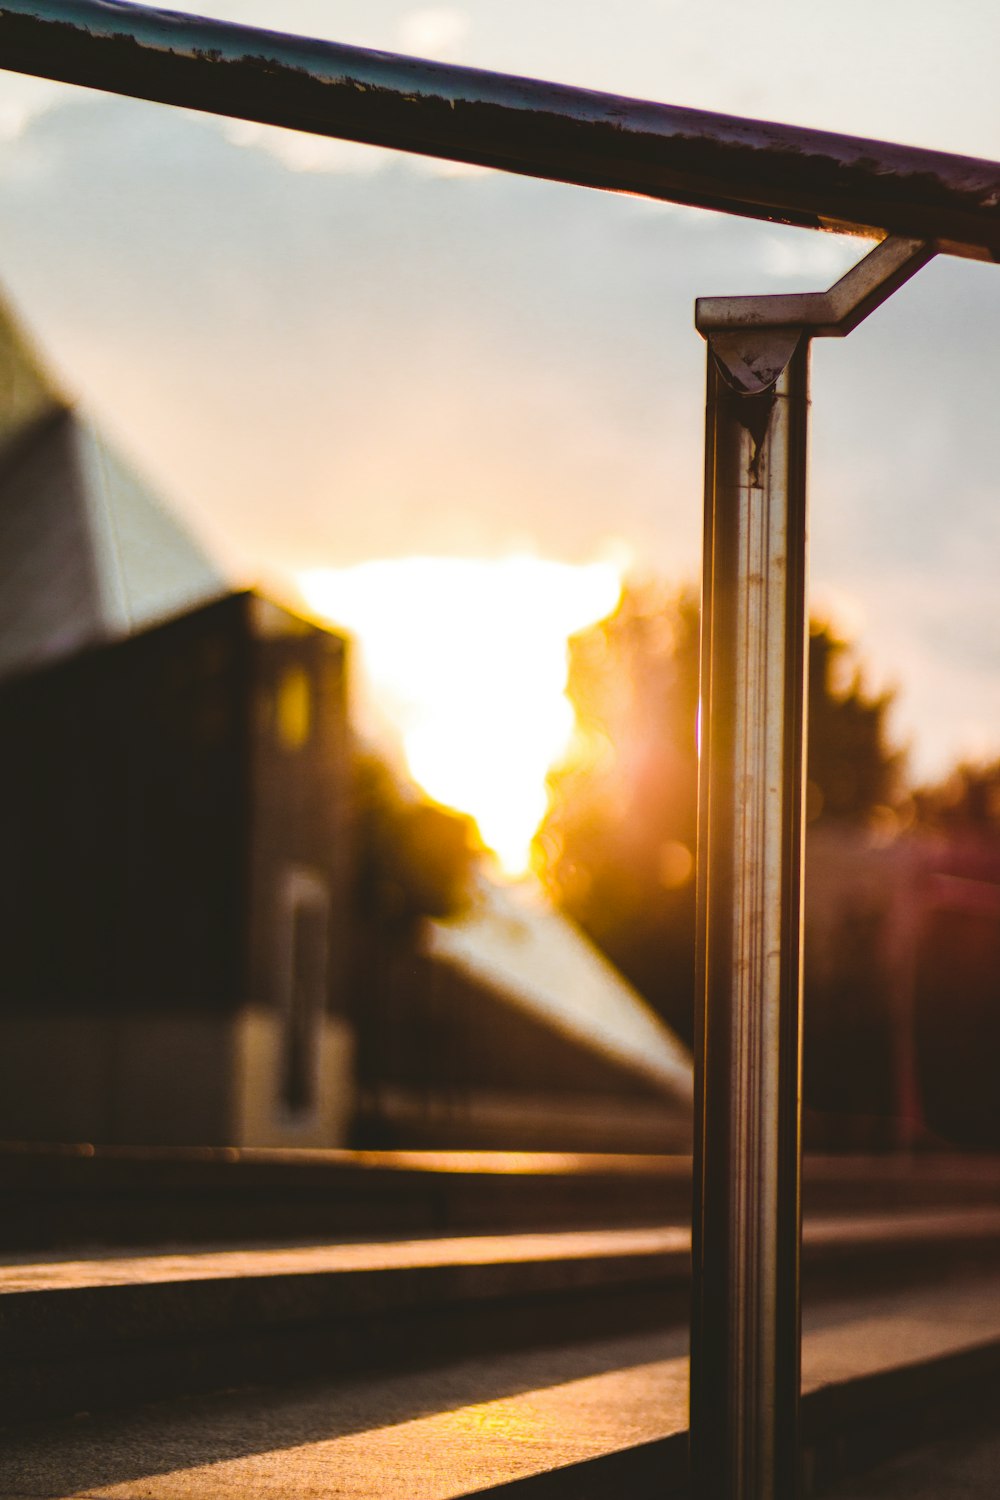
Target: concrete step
pixel 95 1332
pixel 74 1196
pixel 71 1196
pixel 600 1419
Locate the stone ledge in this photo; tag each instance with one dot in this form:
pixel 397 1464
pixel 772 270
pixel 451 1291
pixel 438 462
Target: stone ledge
pixel 81 1195
pixel 109 1330
pixel 103 1332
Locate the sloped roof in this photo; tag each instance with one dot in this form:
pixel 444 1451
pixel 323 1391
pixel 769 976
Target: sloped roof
pixel 27 390
pixel 513 941
pixel 87 552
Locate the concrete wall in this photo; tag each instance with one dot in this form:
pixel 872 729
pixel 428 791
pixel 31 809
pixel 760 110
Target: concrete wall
pixel 180 1080
pixel 261 1117
pixel 116 1080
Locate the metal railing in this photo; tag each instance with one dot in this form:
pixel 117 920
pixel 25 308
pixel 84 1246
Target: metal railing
pixel 812 178
pixel 745 1316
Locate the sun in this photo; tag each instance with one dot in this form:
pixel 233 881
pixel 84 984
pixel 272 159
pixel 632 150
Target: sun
pixel 463 666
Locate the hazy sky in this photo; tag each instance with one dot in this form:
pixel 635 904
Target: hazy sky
pixel 324 353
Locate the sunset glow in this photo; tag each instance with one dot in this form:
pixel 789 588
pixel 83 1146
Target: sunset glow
pixel 463 663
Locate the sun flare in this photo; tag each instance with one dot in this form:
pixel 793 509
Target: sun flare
pixel 463 663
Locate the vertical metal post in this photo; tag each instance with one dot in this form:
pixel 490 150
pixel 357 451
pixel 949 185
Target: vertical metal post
pixel 747 1214
pixel 745 1322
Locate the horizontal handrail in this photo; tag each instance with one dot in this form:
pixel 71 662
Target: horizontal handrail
pixel 811 178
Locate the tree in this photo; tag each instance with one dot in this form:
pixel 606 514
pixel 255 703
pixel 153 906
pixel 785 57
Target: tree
pixel 414 858
pixel 852 771
pixel 616 850
pixel 967 801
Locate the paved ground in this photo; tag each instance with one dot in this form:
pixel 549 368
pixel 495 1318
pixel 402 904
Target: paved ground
pixel 964 1467
pixel 450 1432
pixel 485 1424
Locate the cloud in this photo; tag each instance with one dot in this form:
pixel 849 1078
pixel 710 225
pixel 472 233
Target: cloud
pixel 300 152
pixel 841 609
pixel 433 31
pixel 375 362
pixel 13 119
pixel 817 258
pixel 24 99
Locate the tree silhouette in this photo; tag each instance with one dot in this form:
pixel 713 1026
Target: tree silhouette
pixel 851 769
pixel 414 858
pixel 616 850
pixel 967 801
pixel 617 847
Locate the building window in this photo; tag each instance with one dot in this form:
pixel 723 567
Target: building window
pixel 304 956
pixel 293 708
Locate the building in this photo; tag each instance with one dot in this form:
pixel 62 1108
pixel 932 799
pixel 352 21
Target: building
pixel 172 895
pixel 88 554
pixel 183 957
pixel 503 1027
pixel 173 794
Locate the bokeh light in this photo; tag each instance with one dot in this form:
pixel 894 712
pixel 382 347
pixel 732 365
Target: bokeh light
pixel 462 663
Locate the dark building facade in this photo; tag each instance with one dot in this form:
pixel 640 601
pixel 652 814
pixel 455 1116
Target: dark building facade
pixel 184 956
pixel 175 813
pixel 902 999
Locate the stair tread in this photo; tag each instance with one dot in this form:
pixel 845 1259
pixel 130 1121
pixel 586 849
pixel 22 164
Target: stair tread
pixel 820 1236
pixel 477 1425
pixel 371 1255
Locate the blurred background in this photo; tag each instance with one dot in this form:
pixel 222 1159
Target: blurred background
pixel 351 509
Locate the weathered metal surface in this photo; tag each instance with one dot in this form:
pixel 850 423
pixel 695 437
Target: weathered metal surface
pixel 812 178
pixel 831 314
pixel 745 1308
pixel 747 1166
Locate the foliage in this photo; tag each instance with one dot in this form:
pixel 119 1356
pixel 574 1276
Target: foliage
pixel 967 801
pixel 616 850
pixel 414 858
pixel 851 771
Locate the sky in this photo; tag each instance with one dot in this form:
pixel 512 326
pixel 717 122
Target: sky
pixel 324 354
